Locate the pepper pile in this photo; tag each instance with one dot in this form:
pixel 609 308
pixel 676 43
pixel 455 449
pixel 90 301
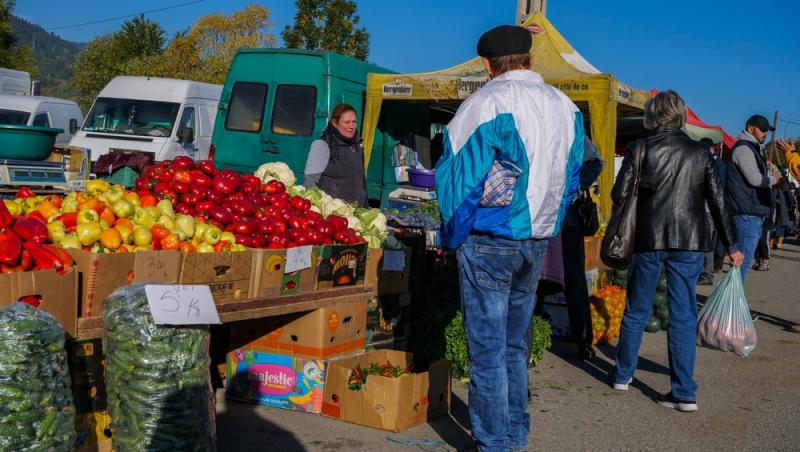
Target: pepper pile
pixel 258 214
pixel 36 410
pixel 25 245
pixel 358 376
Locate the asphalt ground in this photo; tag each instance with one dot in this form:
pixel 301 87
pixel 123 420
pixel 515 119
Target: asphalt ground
pixel 745 404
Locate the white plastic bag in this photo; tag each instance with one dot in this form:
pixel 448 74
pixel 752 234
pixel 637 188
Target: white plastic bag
pixel 724 323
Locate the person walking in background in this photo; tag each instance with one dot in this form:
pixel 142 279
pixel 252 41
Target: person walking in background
pixel 678 177
pixel 510 167
pixel 707 275
pixel 784 213
pixel 575 290
pixel 747 186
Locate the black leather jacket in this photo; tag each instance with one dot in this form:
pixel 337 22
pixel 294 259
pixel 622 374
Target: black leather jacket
pixel 678 177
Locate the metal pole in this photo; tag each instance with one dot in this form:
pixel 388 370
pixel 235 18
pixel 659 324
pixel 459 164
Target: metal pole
pixel 527 7
pixel 772 143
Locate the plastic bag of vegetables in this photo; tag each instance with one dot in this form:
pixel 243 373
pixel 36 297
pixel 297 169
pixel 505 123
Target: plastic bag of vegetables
pixel 724 323
pixel 36 410
pixel 157 379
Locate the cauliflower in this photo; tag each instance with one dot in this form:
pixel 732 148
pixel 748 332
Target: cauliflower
pixel 276 170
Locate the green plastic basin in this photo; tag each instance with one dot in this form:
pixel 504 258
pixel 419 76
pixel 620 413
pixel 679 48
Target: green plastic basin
pixel 27 142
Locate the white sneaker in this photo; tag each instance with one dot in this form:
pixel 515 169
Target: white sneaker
pixel 623 386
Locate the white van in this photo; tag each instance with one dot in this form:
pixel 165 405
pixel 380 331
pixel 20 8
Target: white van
pixel 163 116
pixel 14 82
pixel 41 111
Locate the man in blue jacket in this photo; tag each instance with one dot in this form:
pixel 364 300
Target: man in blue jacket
pixel 510 169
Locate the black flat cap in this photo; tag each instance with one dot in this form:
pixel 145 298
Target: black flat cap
pixel 505 40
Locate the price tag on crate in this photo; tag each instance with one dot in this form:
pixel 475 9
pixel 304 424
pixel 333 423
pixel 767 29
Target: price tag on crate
pixel 298 258
pixel 173 304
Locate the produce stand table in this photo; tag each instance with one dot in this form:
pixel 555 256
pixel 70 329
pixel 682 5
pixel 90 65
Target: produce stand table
pixel 253 308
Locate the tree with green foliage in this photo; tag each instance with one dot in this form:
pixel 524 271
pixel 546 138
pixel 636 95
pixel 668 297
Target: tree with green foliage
pixel 105 57
pixel 327 25
pixel 13 55
pixel 204 52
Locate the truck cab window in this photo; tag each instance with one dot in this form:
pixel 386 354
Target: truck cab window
pixel 41 120
pixel 293 112
pixel 246 107
pixel 187 121
pixel 14 117
pixel 132 117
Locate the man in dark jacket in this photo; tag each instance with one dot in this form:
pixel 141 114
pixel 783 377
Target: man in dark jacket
pixel 747 186
pixel 678 177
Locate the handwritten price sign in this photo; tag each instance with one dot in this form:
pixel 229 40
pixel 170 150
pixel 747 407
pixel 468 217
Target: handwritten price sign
pixel 298 258
pixel 181 304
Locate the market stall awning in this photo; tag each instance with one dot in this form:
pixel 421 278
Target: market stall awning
pixel 553 57
pixel 697 129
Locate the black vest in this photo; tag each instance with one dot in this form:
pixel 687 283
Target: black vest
pixel 344 177
pixel 743 198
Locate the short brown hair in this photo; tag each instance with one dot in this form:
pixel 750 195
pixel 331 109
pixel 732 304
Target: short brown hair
pixel 339 110
pixel 503 64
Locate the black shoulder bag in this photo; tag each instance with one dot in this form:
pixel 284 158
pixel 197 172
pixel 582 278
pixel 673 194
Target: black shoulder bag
pixel 618 243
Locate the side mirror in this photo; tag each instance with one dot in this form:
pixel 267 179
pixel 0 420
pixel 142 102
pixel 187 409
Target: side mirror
pixel 186 135
pixel 73 126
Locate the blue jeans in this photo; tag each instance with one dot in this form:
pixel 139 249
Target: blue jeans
pixel 682 269
pixel 498 280
pixel 748 233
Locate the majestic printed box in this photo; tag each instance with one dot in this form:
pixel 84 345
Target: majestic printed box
pixel 280 381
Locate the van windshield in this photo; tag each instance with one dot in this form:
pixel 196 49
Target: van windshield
pixel 132 117
pixel 14 117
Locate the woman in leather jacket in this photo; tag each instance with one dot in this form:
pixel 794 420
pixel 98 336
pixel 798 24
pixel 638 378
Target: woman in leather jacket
pixel 678 177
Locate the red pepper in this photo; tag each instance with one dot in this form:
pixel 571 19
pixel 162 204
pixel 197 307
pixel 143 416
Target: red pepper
pixel 24 192
pixel 207 166
pixel 10 248
pixel 339 223
pixel 199 178
pixel 70 220
pixel 36 215
pixel 181 187
pixel 66 259
pixel 273 187
pixel 30 230
pixel 182 175
pixel 26 260
pixel 33 300
pixel 222 245
pixel 279 238
pixel 5 216
pixel 297 203
pixel 43 258
pixel 182 162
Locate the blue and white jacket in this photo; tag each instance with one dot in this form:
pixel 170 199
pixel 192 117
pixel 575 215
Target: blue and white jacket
pixel 519 119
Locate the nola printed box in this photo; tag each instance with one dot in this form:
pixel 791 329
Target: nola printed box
pixel 280 381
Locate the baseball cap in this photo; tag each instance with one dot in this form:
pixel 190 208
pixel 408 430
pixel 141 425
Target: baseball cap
pixel 760 122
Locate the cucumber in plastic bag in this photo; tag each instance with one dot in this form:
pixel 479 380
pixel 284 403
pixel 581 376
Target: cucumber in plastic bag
pixel 725 323
pixel 157 379
pixel 36 409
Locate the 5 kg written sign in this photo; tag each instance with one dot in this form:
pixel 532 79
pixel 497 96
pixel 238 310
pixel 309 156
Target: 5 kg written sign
pixel 173 304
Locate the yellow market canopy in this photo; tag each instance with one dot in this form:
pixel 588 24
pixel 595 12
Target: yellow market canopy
pixel 555 59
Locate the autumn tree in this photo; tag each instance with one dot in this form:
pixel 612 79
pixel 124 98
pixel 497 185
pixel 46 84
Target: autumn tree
pixel 327 25
pixel 13 55
pixel 106 56
pixel 204 52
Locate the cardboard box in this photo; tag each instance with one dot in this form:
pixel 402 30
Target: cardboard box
pixel 374 260
pixel 341 265
pixel 269 279
pixel 279 381
pixel 591 251
pixel 77 162
pixel 59 293
pixel 394 404
pixel 322 333
pixel 87 370
pixel 102 273
pixel 227 274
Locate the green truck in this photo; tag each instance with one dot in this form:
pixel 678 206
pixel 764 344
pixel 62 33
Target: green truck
pixel 276 102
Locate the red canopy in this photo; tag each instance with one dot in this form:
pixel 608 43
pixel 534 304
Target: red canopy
pixel 693 123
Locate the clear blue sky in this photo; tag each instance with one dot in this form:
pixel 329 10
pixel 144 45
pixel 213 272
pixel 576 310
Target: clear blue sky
pixel 727 59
